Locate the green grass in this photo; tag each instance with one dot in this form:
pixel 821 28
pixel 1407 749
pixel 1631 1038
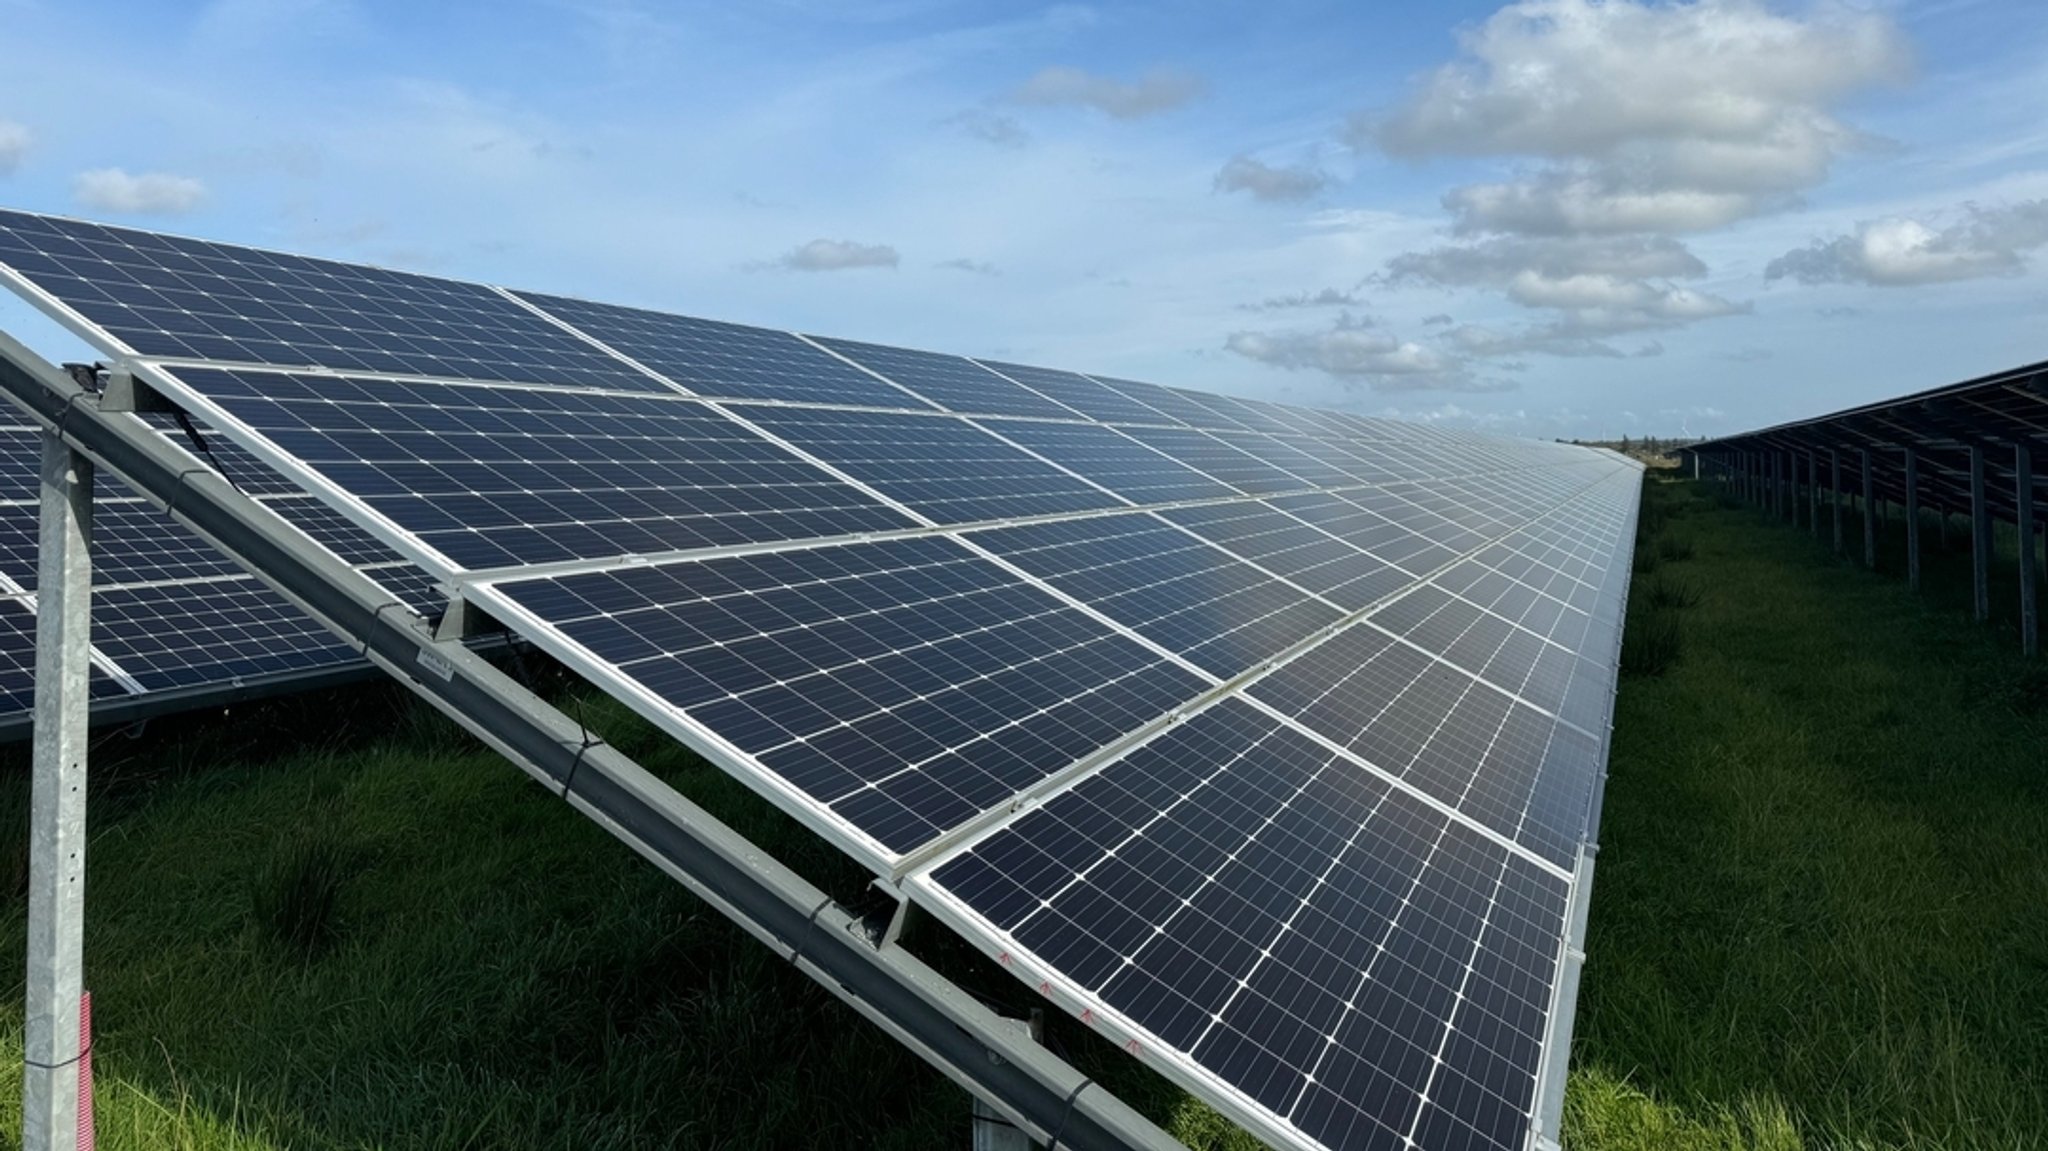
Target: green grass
pixel 335 922
pixel 1819 912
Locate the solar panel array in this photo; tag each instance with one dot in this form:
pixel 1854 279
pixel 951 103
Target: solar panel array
pixel 170 613
pixel 1263 738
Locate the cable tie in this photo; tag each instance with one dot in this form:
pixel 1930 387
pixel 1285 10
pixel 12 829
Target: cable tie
pixel 1054 1144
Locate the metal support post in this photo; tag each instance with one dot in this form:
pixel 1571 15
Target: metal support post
pixel 53 1043
pixel 2023 493
pixel 1835 494
pixel 992 1132
pixel 1869 516
pixel 1912 519
pixel 1813 493
pixel 1980 536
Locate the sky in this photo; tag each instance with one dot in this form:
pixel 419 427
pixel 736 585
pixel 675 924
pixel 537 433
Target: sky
pixel 1547 218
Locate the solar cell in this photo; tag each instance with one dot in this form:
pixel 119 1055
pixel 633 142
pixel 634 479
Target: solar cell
pixel 488 476
pixel 1310 936
pixel 171 297
pixel 1168 586
pixel 1207 454
pixel 713 358
pixel 941 467
pixel 1094 400
pixel 899 687
pixel 219 632
pixel 950 382
pixel 1104 457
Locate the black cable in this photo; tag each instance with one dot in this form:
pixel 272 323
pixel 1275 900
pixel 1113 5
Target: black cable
pixel 199 442
pixel 1054 1145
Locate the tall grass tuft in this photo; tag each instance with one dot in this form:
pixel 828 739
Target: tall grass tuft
pixel 1651 644
pixel 1671 592
pixel 296 898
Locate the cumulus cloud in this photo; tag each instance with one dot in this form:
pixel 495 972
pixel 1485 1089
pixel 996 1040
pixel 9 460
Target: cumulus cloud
pixel 991 128
pixel 152 193
pixel 1649 117
pixel 1265 182
pixel 1901 252
pixel 1325 298
pixel 14 143
pixel 1353 349
pixel 1497 262
pixel 1439 320
pixel 837 256
pixel 1160 90
pixel 1635 122
pixel 977 267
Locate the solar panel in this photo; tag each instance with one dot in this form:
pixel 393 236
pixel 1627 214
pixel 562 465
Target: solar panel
pixel 1094 400
pixel 1313 938
pixel 940 467
pixel 901 687
pixel 1266 740
pixel 1196 600
pixel 712 358
pixel 485 476
pixel 164 296
pixel 950 382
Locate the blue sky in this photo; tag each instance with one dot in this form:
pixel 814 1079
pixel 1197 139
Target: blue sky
pixel 1555 217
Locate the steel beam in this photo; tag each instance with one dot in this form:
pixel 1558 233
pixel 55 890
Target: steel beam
pixel 2023 495
pixel 1912 519
pixel 54 1047
pixel 1980 537
pixel 1869 516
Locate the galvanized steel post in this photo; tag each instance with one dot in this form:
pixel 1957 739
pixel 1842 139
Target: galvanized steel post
pixel 2023 493
pixel 1869 515
pixel 53 1043
pixel 1980 536
pixel 1912 519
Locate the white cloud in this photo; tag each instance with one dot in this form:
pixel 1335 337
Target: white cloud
pixel 1353 349
pixel 1901 251
pixel 837 256
pixel 1160 90
pixel 1497 262
pixel 1265 182
pixel 1651 117
pixel 152 193
pixel 1324 298
pixel 14 144
pixel 1636 121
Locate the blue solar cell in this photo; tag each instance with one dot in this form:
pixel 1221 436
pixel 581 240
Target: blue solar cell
pixel 949 382
pixel 713 358
pixel 1173 589
pixel 178 298
pixel 942 467
pixel 904 686
pixel 493 476
pixel 1106 457
pixel 1091 399
pixel 1304 931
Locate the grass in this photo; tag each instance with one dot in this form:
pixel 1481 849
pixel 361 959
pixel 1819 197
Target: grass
pixel 335 922
pixel 1818 913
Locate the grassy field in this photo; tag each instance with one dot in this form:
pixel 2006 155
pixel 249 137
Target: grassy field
pixel 333 922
